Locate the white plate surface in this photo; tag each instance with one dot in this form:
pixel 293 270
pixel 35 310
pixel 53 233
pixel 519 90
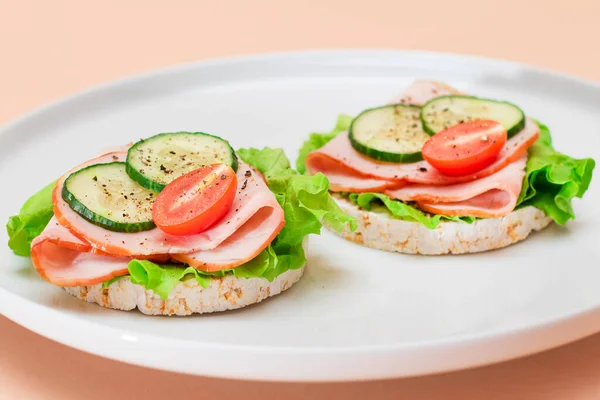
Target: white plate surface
pixel 358 313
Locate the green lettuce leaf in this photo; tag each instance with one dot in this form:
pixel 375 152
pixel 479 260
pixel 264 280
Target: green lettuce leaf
pixel 31 221
pixel 553 179
pixel 402 210
pixel 162 279
pixel 305 201
pixel 317 140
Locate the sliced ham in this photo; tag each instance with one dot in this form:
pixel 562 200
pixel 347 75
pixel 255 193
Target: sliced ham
pixel 252 196
pixel 340 180
pixel 421 91
pixel 64 260
pixel 245 244
pixel 59 235
pixel 63 266
pixel 490 197
pixel 349 166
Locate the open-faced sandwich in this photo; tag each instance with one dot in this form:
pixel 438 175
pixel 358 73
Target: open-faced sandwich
pixel 178 223
pixel 438 172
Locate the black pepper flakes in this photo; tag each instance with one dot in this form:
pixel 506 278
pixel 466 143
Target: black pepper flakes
pixel 95 179
pixel 248 174
pixel 423 169
pixel 223 177
pixel 244 184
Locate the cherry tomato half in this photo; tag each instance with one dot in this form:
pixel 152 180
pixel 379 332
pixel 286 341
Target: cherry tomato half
pixel 465 148
pixel 195 201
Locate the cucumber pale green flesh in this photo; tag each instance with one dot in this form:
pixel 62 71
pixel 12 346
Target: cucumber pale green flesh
pixel 390 133
pixel 445 111
pixel 106 196
pixel 157 161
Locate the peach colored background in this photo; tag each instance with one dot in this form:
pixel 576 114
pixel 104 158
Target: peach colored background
pixel 49 49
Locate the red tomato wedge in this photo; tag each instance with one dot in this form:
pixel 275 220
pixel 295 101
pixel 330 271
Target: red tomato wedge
pixel 465 148
pixel 195 201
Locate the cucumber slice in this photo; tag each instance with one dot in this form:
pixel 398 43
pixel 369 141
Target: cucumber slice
pixel 157 161
pixel 444 111
pixel 105 195
pixel 390 133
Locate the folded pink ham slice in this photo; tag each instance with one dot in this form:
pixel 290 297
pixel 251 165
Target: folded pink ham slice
pixel 493 196
pixel 64 260
pixel 253 195
pixel 421 91
pixel 242 246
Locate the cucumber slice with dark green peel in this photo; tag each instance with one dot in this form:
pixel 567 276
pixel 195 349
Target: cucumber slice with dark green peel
pixel 106 196
pixel 445 111
pixel 157 161
pixel 390 133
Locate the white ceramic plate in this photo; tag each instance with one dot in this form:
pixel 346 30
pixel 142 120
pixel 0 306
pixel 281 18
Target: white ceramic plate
pixel 358 313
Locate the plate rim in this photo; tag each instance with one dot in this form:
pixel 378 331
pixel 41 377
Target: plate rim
pixel 85 326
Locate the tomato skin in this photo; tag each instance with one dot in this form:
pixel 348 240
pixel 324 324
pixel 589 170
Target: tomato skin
pixel 465 148
pixel 195 201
